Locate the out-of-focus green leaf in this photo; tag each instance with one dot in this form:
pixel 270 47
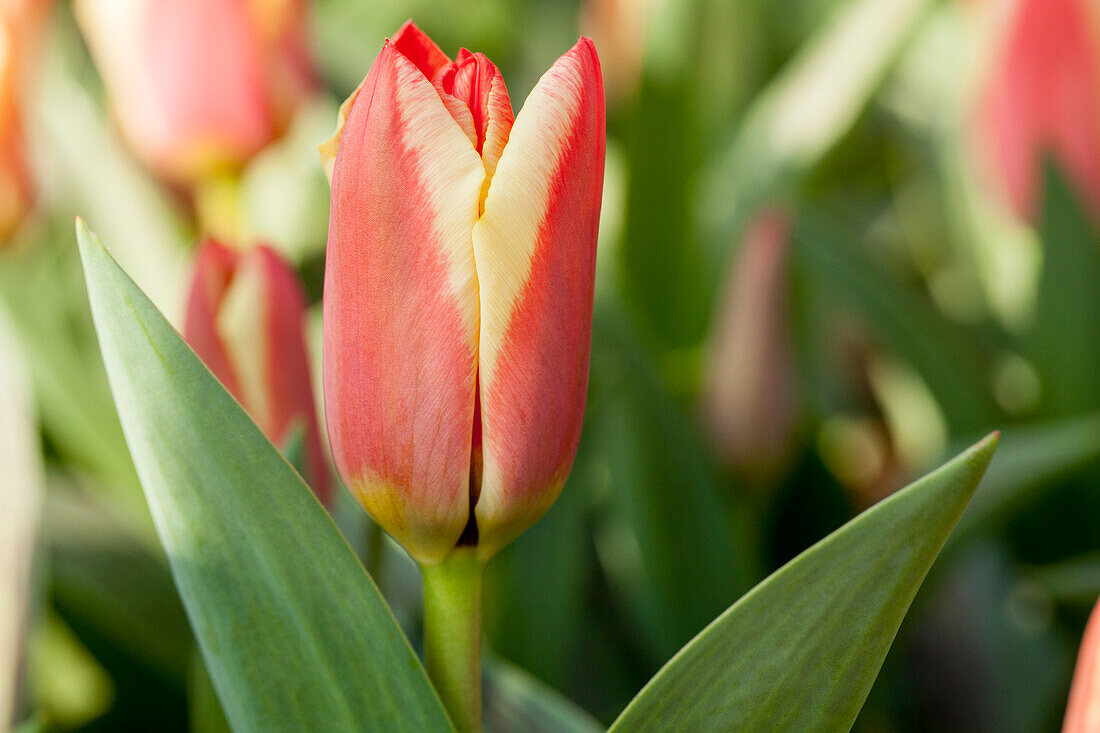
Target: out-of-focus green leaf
pixel 1063 339
pixel 1031 460
pixel 660 264
pixel 515 701
pixel 987 652
pixel 204 709
pixel 809 106
pixel 20 499
pixel 107 579
pixel 292 630
pixel 669 543
pixel 544 575
pixel 802 649
pixel 1076 580
pixel 946 356
pixel 63 361
pixel 350 32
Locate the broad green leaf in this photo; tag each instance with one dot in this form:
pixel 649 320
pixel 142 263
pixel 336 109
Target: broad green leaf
pixel 515 701
pixel 1063 338
pixel 293 632
pixel 801 650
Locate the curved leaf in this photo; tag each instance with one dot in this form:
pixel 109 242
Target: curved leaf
pixel 802 649
pixel 293 632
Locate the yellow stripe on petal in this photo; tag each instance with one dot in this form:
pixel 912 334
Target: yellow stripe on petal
pixel 506 236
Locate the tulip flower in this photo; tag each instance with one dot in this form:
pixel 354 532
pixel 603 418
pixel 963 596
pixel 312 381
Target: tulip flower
pixel 748 404
pixel 1083 708
pixel 199 86
pixel 458 313
pixel 458 291
pixel 244 320
pixel 1043 98
pixel 20 25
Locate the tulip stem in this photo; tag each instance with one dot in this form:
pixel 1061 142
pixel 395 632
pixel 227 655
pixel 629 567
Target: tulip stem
pixel 452 635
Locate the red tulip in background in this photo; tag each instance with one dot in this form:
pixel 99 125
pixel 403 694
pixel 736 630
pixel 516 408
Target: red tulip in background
pixel 199 86
pixel 749 401
pixel 1043 97
pixel 20 23
pixel 458 291
pixel 244 320
pixel 1083 709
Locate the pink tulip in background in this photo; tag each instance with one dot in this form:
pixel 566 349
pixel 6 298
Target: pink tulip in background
pixel 245 321
pixel 1042 97
pixel 1083 709
pixel 748 405
pixel 200 86
pixel 458 291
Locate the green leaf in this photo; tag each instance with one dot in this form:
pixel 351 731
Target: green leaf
pixel 1033 459
pixel 1062 341
pixel 812 103
pixel 801 650
pixel 950 359
pixel 293 632
pixel 514 701
pixel 672 545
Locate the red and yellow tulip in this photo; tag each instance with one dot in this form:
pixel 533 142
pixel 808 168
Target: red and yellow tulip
pixel 244 320
pixel 458 290
pixel 200 86
pixel 1042 97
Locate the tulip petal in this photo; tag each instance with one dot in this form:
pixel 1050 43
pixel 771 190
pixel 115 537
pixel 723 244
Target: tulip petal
pixel 1043 98
pixel 401 308
pixel 286 367
pixel 415 45
pixel 214 268
pixel 535 249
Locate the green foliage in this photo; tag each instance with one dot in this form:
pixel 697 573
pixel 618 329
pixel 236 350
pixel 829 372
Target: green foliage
pixel 801 650
pixel 293 631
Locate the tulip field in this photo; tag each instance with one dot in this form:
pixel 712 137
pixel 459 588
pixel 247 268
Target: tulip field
pixel 512 365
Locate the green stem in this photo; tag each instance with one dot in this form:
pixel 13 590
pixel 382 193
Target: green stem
pixel 452 635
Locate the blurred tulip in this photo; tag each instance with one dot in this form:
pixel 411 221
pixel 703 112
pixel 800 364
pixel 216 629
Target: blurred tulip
pixel 1083 708
pixel 200 86
pixel 1042 97
pixel 749 397
pixel 20 26
pixel 458 291
pixel 244 320
pixel 620 28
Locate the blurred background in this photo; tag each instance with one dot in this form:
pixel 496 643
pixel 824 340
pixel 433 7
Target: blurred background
pixel 841 239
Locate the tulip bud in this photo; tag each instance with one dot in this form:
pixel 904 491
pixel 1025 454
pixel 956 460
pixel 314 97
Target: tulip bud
pixel 200 86
pixel 1042 97
pixel 458 291
pixel 748 402
pixel 244 320
pixel 1083 708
